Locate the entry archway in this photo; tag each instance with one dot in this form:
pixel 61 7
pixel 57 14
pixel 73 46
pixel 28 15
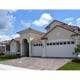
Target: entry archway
pixel 25 47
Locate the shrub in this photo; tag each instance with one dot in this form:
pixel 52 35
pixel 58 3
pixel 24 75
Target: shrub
pixel 9 56
pixel 76 60
pixel 77 50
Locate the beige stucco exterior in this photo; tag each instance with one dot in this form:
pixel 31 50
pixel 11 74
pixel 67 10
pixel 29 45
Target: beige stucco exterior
pixel 57 34
pixel 29 35
pixel 14 47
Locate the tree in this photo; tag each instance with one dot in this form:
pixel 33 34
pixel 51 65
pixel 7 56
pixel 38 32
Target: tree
pixel 77 50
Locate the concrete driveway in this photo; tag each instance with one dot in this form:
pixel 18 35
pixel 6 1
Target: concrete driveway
pixel 36 63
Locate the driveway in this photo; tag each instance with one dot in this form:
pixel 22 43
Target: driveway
pixel 36 63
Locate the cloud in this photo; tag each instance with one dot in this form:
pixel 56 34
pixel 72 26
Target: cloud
pixel 45 19
pixel 15 36
pixel 6 24
pixel 4 37
pixel 25 24
pixel 78 22
pixel 6 21
pixel 7 37
pixel 70 23
pixel 12 11
pixel 73 21
pixel 69 20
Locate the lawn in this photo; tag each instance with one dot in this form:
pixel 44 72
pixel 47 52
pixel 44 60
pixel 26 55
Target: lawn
pixel 7 57
pixel 73 65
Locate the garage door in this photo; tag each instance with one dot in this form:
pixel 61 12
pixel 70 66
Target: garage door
pixel 37 49
pixel 60 49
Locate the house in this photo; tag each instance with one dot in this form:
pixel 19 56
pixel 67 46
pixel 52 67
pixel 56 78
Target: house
pixel 10 46
pixel 6 45
pixel 59 41
pixel 15 46
pixel 2 48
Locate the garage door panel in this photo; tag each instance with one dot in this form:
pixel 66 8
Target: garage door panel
pixel 60 50
pixel 37 51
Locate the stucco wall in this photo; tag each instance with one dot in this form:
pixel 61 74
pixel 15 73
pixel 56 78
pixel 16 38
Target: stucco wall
pixel 53 25
pixel 59 34
pixel 14 47
pixel 28 35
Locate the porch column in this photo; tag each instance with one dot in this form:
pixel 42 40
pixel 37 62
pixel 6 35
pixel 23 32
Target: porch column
pixel 30 38
pixel 44 48
pixel 21 48
pixel 76 39
pixel 30 51
pixel 5 49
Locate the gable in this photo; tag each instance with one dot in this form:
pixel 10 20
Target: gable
pixel 30 34
pixel 59 33
pixel 13 42
pixel 53 24
pixel 30 30
pixel 56 22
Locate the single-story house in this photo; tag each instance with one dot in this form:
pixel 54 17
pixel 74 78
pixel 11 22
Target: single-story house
pixel 2 48
pixel 59 40
pixel 5 47
pixel 15 46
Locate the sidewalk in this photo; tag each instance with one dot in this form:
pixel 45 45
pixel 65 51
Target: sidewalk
pixel 9 67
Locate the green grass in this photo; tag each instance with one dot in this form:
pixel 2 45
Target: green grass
pixel 73 65
pixel 7 57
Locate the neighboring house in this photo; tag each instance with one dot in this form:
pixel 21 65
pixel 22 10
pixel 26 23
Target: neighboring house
pixel 2 48
pixel 10 46
pixel 7 46
pixel 59 41
pixel 15 46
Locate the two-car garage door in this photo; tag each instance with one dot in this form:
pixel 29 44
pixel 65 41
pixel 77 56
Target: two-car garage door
pixel 55 49
pixel 60 49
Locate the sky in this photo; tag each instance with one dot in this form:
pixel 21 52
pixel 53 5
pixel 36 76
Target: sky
pixel 13 21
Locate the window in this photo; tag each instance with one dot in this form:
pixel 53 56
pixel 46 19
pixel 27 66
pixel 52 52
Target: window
pixel 50 43
pixel 72 42
pixel 60 43
pixel 57 43
pixel 7 47
pixel 47 44
pixel 53 43
pixel 34 44
pixel 68 42
pixel 64 42
pixel 39 44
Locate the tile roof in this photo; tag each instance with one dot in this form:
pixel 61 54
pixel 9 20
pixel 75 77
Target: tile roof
pixel 63 24
pixel 31 29
pixel 74 29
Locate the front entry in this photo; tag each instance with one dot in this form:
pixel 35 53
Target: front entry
pixel 25 47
